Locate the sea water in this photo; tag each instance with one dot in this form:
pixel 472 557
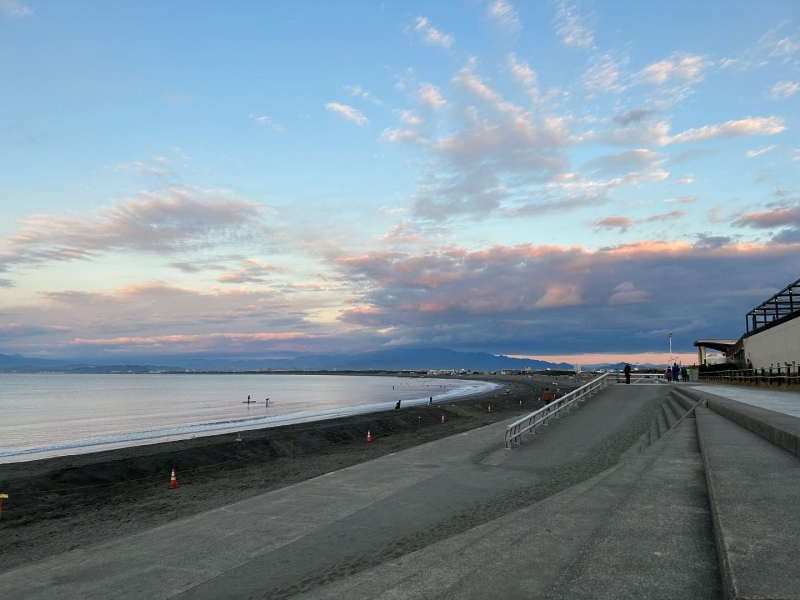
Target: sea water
pixel 44 415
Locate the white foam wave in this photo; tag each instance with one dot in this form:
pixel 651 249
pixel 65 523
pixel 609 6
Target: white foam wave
pixel 151 436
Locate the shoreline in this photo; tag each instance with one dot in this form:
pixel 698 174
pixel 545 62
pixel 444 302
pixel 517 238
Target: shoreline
pixel 120 440
pixel 68 502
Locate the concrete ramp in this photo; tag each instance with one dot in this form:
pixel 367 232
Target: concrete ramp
pixel 639 530
pixel 658 541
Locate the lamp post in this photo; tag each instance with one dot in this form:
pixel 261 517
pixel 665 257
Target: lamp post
pixel 669 335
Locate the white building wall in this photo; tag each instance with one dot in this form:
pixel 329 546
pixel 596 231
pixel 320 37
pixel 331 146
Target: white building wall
pixel 775 346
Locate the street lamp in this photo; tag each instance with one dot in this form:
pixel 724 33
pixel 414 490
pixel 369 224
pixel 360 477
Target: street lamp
pixel 669 335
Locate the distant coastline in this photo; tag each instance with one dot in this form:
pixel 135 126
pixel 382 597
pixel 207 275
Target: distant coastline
pixel 396 360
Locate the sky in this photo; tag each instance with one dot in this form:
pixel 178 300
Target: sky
pixel 264 179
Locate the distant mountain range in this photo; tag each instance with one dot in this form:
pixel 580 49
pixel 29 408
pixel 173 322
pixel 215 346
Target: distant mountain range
pixel 621 365
pixel 397 359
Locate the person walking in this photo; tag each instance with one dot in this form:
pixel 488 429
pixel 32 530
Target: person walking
pixel 627 371
pixel 676 371
pixel 547 396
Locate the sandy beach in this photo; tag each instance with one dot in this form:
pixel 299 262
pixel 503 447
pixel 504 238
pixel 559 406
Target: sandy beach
pixel 71 502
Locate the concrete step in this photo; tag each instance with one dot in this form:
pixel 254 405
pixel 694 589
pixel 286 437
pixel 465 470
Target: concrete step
pixel 658 543
pixel 780 429
pixel 632 451
pixel 685 401
pixel 677 408
pixel 638 446
pixel 662 424
pixel 668 416
pixel 646 440
pixel 676 412
pixel 754 488
pixel 654 433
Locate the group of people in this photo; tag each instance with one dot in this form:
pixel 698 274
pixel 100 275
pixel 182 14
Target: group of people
pixel 676 373
pixel 248 401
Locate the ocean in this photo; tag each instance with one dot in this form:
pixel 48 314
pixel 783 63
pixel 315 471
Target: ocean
pixel 44 415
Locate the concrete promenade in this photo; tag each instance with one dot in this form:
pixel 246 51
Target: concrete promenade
pixel 633 495
pixel 781 401
pixel 318 532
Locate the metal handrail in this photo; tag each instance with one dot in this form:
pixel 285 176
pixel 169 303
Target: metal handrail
pixel 641 377
pixel 762 376
pixel 517 428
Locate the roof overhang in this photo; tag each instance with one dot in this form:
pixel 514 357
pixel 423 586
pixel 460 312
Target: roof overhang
pixel 721 345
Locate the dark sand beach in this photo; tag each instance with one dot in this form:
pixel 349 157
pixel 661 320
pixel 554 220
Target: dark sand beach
pixel 64 503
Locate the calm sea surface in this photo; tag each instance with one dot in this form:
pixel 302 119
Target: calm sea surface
pixel 44 415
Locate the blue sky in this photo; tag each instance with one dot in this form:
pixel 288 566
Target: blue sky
pixel 529 178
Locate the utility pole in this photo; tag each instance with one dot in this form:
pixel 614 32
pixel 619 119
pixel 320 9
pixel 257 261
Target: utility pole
pixel 669 335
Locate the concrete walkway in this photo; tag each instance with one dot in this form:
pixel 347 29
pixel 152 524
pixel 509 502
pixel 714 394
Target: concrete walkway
pixel 311 534
pixel 781 401
pixel 755 494
pixel 639 530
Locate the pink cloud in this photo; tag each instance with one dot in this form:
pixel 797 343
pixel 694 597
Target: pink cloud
pixel 168 219
pixel 502 292
pixel 780 217
pixel 559 297
pixel 182 339
pixel 621 223
pixel 250 271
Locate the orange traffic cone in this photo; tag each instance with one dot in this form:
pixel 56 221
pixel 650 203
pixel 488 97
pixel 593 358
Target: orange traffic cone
pixel 173 481
pixel 369 436
pixel 442 418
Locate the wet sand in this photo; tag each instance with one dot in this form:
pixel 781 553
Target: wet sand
pixel 60 504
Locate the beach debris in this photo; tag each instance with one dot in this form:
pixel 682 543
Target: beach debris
pixel 238 437
pixel 1 503
pixel 488 410
pixel 442 421
pixel 369 436
pixel 173 481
